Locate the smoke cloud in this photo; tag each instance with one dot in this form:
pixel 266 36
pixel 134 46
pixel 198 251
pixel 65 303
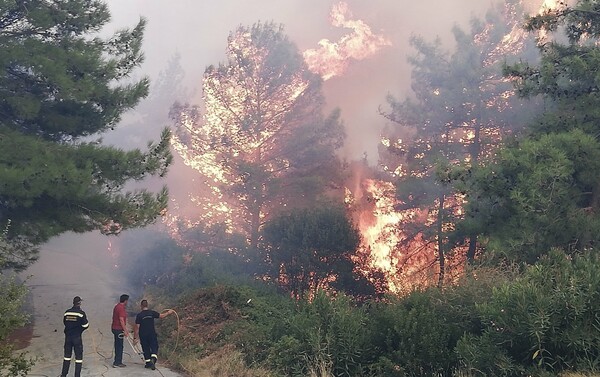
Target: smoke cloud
pixel 198 31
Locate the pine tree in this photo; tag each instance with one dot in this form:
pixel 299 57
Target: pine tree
pixel 543 190
pixel 262 143
pixel 61 85
pixel 461 109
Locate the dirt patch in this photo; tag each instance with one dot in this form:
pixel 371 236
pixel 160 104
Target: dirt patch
pixel 21 338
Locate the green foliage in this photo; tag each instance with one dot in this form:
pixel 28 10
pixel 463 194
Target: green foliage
pixel 312 248
pixel 546 319
pixel 543 191
pixel 12 317
pixel 491 323
pixel 326 330
pixel 481 356
pixel 539 194
pixel 60 84
pixel 57 76
pixel 417 335
pixel 414 335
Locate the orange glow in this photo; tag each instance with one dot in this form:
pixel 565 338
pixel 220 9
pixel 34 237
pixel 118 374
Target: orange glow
pixel 247 116
pixel 332 58
pixel 113 254
pixel 405 263
pixel 549 4
pixel 407 260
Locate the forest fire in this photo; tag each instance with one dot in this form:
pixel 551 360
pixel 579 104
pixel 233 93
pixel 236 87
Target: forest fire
pixel 375 209
pixel 428 210
pixel 213 143
pixel 253 145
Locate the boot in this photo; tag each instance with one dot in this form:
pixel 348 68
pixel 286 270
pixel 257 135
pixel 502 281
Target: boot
pixel 65 368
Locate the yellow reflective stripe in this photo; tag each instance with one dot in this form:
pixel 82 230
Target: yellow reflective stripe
pixel 86 325
pixel 148 360
pixel 67 359
pixel 154 356
pixel 74 313
pixel 79 361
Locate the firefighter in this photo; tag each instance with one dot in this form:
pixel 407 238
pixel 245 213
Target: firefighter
pixel 76 322
pixel 145 332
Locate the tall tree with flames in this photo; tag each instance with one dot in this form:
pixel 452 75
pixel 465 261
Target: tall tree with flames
pixel 262 142
pixel 461 110
pixel 60 85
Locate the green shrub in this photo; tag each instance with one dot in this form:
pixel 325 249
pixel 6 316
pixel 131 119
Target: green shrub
pixel 545 320
pixel 414 335
pixel 417 335
pixel 12 317
pixel 327 331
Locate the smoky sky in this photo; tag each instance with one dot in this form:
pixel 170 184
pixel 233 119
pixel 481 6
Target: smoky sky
pixel 198 30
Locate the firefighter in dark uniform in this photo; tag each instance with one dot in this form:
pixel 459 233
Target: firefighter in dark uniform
pixel 145 332
pixel 76 322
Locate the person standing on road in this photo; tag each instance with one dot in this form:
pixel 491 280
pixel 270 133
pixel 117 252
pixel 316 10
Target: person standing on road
pixel 76 323
pixel 119 329
pixel 144 331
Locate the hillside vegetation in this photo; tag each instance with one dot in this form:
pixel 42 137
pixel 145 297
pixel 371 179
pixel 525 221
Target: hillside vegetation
pixel 540 321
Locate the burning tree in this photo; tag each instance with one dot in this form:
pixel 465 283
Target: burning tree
pixel 462 109
pixel 262 143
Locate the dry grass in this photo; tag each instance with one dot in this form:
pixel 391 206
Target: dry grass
pixel 223 363
pixel 320 368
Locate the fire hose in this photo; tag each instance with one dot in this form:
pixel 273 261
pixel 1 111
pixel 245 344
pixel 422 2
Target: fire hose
pixel 176 339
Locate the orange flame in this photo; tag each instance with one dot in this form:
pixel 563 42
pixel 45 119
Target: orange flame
pixel 378 220
pixel 332 58
pixel 380 224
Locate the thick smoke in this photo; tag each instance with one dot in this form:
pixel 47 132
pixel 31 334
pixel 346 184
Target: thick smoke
pixel 198 30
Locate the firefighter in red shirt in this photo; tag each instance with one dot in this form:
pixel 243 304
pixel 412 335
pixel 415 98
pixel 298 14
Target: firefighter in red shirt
pixel 75 322
pixel 119 329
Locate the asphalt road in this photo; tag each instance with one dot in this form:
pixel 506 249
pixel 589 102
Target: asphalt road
pixel 55 279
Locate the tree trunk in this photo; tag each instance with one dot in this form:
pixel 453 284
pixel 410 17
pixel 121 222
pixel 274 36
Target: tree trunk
pixel 254 227
pixel 472 248
pixel 440 239
pixel 475 151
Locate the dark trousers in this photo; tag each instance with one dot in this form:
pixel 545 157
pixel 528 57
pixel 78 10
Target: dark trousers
pixel 149 345
pixel 119 335
pixel 73 343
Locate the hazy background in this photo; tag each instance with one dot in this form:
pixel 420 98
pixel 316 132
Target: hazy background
pixel 197 30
